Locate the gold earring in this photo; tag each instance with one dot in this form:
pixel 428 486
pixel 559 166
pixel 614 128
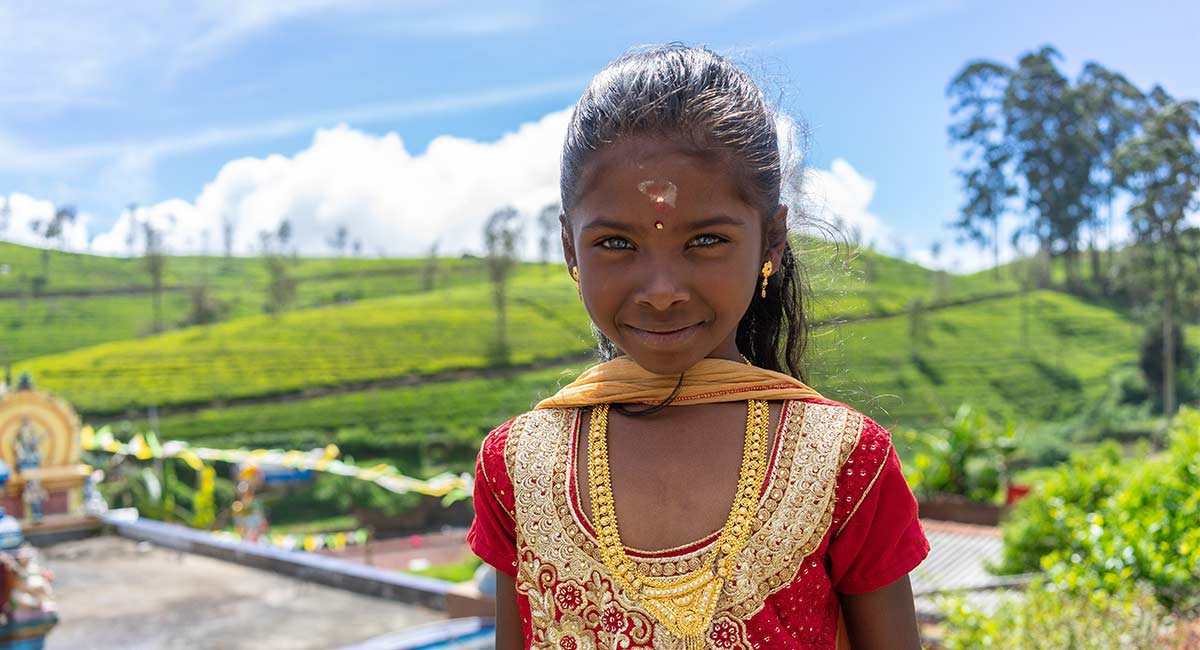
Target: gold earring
pixel 575 274
pixel 766 273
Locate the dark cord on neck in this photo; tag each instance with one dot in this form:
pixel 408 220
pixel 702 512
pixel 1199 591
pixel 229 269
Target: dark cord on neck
pixel 619 408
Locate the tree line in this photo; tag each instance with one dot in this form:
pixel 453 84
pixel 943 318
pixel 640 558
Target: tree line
pixel 1059 155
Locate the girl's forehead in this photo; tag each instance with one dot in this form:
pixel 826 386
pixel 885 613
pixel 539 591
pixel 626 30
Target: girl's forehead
pixel 656 170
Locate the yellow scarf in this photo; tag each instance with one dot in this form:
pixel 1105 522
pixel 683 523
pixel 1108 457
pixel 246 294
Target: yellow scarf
pixel 622 381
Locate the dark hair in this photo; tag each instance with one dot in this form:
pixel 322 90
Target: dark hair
pixel 707 106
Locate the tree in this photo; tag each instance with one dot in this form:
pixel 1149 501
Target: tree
pixel 281 287
pixel 1113 106
pixel 131 232
pixel 1151 359
pixel 501 233
pixel 1160 166
pixel 429 273
pixel 205 307
pixel 1048 128
pixel 51 230
pixel 284 234
pixel 156 266
pixel 5 214
pixel 548 227
pixel 978 92
pixel 1033 137
pixel 338 240
pixel 227 238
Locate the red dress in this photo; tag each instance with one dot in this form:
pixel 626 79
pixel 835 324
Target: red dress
pixel 835 516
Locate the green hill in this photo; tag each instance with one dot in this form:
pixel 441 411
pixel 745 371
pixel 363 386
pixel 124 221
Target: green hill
pixel 974 353
pixel 91 299
pixel 366 340
pixel 333 372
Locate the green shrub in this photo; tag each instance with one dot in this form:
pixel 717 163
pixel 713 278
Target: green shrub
pixel 1046 618
pixel 1098 523
pixel 969 456
pixel 463 571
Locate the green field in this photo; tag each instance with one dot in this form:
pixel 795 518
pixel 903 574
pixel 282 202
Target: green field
pixel 366 340
pixel 1070 349
pixel 358 322
pixel 93 299
pixel 78 307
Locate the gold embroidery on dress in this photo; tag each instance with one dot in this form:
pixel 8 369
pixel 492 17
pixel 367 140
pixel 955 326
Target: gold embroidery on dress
pixel 560 569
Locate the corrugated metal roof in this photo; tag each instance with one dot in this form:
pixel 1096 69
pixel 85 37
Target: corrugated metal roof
pixel 958 558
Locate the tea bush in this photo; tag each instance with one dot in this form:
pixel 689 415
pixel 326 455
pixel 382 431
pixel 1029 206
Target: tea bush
pixel 1098 523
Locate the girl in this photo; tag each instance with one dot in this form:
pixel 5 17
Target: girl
pixel 690 492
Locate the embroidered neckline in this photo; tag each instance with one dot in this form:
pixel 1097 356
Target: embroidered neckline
pixel 696 547
pixel 561 573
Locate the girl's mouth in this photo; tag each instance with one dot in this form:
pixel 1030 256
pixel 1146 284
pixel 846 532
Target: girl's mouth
pixel 664 338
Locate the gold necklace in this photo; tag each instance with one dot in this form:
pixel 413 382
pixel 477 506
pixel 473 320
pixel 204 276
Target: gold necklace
pixel 685 603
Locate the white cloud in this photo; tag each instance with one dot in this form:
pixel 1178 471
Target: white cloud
pixel 842 197
pixel 20 212
pixel 399 202
pixel 390 199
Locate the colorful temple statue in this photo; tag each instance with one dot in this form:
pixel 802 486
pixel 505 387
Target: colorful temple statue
pixel 27 609
pixel 249 515
pixel 39 441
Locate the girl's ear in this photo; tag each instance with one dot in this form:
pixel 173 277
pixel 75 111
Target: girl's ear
pixel 777 236
pixel 568 243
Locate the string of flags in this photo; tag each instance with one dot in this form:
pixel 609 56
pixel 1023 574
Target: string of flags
pixel 311 542
pixel 147 447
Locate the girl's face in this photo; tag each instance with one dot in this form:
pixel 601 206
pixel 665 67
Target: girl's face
pixel 669 254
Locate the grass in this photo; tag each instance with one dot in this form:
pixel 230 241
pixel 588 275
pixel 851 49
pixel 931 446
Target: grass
pixel 974 353
pixel 371 338
pixel 440 422
pixel 315 526
pixel 33 326
pixel 362 341
pixel 463 571
pixel 1033 356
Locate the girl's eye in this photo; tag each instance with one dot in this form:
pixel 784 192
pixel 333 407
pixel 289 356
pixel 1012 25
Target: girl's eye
pixel 705 241
pixel 616 243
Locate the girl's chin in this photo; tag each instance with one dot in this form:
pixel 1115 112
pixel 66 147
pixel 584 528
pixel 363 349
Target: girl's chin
pixel 660 361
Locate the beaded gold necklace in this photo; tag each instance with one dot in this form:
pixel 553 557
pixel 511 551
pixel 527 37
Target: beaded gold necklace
pixel 685 603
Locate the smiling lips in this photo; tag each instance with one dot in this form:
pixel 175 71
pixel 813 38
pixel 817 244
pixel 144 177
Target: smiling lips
pixel 664 337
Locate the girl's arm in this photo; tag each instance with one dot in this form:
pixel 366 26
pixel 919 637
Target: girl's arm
pixel 883 619
pixel 508 617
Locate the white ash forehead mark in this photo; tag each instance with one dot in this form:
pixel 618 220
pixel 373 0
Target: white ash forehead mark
pixel 660 192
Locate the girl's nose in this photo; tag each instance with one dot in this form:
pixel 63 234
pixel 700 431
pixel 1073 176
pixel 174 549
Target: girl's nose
pixel 661 289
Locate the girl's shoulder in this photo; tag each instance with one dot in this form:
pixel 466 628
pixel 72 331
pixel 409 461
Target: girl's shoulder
pixel 861 434
pixel 497 449
pixel 867 458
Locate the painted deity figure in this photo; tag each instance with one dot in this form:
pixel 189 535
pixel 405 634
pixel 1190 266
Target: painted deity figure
pixel 32 588
pixel 249 515
pixel 27 446
pixel 93 502
pixel 34 495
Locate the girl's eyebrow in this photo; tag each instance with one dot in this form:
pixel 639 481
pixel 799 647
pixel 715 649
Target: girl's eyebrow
pixel 609 224
pixel 716 220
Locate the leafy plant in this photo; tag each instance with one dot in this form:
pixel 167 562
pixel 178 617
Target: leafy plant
pixel 1098 523
pixel 1046 618
pixel 969 456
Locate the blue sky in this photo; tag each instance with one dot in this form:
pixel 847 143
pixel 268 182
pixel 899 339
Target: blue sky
pixel 324 112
